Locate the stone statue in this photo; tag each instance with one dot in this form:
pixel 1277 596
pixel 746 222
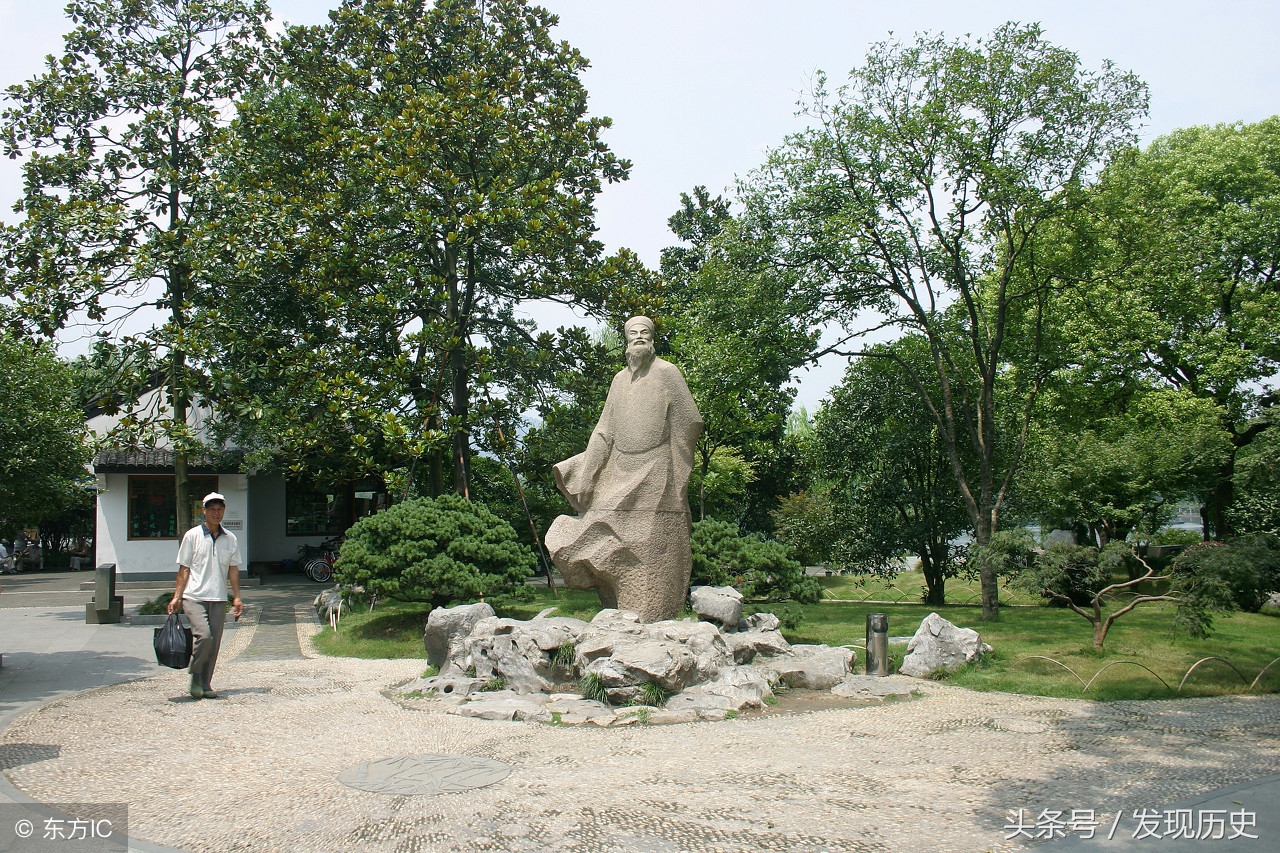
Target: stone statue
pixel 630 488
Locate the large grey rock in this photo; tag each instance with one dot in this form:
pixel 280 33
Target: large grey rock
pixel 575 710
pixel 606 630
pixel 735 688
pixel 459 686
pixel 746 646
pixel 873 687
pixel 938 644
pixel 721 604
pixel 811 667
pixel 508 656
pixel 444 624
pixel 504 705
pixel 759 622
pixel 522 653
pixel 708 645
pixel 630 488
pixel 1274 600
pixel 662 662
pixel 625 653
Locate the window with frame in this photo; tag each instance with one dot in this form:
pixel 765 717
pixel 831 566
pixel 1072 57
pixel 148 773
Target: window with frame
pixel 153 505
pixel 315 511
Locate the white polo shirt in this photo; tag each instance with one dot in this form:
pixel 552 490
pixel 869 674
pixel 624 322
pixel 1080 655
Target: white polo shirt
pixel 209 560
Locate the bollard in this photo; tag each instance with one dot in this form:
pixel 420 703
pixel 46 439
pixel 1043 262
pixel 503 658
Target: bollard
pixel 106 608
pixel 877 644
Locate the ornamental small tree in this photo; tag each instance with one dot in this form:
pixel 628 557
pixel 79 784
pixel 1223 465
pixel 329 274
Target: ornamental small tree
pixel 436 550
pixel 755 566
pixel 1079 578
pixel 1206 579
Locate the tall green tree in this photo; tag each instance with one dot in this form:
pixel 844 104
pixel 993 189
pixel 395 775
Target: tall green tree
pixel 890 476
pixel 1256 508
pixel 1184 256
pixel 118 133
pixel 413 172
pixel 917 197
pixel 738 335
pixel 43 445
pixel 1117 458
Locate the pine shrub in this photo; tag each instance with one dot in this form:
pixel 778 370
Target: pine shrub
pixel 441 550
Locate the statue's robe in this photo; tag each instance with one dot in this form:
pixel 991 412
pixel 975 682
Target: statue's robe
pixel 630 540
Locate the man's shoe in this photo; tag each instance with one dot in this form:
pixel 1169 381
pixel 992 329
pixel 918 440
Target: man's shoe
pixel 196 691
pixel 209 694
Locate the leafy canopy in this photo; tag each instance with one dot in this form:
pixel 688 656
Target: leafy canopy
pixel 411 174
pixel 918 195
pixel 43 445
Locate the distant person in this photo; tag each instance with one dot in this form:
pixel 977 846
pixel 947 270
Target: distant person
pixel 82 555
pixel 208 560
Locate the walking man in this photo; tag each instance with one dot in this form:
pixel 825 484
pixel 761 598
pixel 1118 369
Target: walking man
pixel 208 561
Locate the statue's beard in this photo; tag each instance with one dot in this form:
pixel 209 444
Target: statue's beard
pixel 639 355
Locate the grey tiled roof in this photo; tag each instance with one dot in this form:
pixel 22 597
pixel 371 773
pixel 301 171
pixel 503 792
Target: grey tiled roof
pixel 118 461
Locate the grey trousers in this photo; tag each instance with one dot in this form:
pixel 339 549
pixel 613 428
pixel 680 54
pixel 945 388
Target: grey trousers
pixel 207 619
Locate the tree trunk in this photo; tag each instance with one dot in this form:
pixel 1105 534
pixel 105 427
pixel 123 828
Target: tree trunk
pixel 1099 634
pixel 987 573
pixel 462 432
pixel 179 274
pixel 456 316
pixel 435 474
pixel 182 493
pixel 1220 500
pixel 932 562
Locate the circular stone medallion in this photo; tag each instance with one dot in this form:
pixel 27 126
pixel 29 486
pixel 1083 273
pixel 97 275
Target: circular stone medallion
pixel 424 774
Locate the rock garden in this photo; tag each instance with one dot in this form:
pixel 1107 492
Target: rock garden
pixel 616 670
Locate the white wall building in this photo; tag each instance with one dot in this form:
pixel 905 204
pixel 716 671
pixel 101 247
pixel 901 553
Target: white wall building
pixel 135 525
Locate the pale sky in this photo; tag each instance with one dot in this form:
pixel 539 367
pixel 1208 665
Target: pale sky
pixel 698 90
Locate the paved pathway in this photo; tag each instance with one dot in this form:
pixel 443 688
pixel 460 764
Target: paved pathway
pixel 275 620
pixel 258 769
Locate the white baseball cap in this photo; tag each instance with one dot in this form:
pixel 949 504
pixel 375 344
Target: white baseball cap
pixel 213 496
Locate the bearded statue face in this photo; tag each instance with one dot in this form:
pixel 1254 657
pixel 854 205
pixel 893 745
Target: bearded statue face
pixel 640 353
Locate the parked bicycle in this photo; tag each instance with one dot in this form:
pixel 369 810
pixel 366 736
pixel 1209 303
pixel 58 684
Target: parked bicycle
pixel 318 560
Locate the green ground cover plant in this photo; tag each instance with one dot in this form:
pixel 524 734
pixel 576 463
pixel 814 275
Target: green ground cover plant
pixel 1248 640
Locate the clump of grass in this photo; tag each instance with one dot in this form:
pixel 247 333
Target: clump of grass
pixel 771 700
pixel 563 657
pixel 430 671
pixel 642 715
pixel 591 686
pixel 556 719
pixel 494 684
pixel 157 606
pixel 651 693
pixel 730 714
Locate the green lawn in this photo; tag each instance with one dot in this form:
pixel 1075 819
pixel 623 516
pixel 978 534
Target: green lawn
pixel 909 587
pixel 394 629
pixel 1248 640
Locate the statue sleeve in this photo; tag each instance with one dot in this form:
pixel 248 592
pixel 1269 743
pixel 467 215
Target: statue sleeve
pixel 686 426
pixel 576 477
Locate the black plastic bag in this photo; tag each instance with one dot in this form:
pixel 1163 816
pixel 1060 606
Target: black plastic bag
pixel 173 644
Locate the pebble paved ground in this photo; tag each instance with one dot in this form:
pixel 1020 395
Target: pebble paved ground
pixel 257 769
